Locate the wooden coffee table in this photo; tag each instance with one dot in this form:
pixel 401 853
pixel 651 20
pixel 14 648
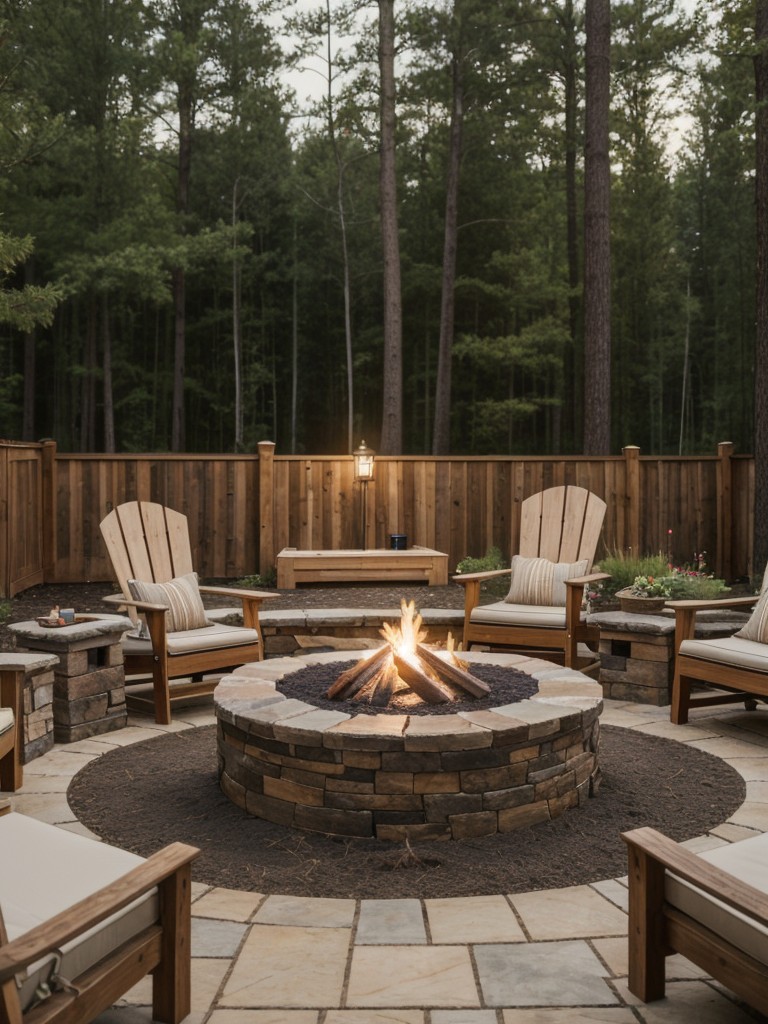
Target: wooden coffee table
pixel 357 566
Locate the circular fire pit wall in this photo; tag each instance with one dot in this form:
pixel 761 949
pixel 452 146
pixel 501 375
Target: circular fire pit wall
pixel 393 776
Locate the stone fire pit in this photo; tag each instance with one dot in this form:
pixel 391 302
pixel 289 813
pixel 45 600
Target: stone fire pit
pixel 393 776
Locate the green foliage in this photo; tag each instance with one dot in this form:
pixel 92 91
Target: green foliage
pixel 6 607
pixel 653 576
pixel 257 580
pixel 490 560
pixel 624 567
pixel 30 305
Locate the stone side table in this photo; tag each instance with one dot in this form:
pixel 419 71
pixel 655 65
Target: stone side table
pixel 89 681
pixel 32 675
pixel 637 652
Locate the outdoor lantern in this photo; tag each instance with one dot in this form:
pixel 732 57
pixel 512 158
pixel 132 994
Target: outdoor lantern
pixel 363 457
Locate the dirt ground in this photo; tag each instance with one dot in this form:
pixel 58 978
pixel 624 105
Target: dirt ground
pixel 166 789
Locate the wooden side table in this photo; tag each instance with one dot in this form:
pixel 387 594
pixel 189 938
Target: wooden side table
pixel 89 681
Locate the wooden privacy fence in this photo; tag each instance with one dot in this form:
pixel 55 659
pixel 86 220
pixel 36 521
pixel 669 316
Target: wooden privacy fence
pixel 243 509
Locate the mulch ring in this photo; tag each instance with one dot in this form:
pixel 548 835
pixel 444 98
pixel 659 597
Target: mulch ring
pixel 144 796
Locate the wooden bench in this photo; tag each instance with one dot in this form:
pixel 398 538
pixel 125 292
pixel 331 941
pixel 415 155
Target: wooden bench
pixel 357 566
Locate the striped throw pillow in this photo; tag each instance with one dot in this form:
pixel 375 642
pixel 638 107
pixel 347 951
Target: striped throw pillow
pixel 756 627
pixel 539 581
pixel 182 595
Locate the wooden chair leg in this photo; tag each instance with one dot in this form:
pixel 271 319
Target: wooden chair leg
pixel 681 698
pixel 647 953
pixel 171 981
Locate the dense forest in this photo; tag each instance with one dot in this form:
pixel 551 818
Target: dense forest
pixel 196 257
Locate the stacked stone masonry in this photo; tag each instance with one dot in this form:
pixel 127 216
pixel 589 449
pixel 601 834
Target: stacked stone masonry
pixel 89 679
pixel 33 673
pixel 396 777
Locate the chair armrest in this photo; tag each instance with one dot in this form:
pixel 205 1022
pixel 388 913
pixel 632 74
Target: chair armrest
pixel 715 602
pixel 469 577
pixel 712 880
pixel 685 613
pixel 260 595
pixel 128 602
pixel 582 581
pixel 94 909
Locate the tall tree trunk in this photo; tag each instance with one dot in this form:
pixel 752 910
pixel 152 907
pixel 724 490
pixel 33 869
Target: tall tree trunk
pixel 109 405
pixel 30 346
pixel 761 338
pixel 186 116
pixel 441 437
pixel 237 341
pixel 392 395
pixel 573 361
pixel 88 387
pixel 597 244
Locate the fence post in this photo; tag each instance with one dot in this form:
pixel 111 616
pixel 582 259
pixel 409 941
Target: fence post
pixel 266 506
pixel 49 509
pixel 724 560
pixel 631 454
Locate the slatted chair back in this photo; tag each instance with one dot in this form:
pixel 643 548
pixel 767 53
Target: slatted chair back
pixel 562 524
pixel 146 541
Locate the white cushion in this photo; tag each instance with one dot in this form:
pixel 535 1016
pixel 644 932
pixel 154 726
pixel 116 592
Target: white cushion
pixel 6 719
pixel 43 871
pixel 181 595
pixel 206 639
pixel 537 581
pixel 729 650
pixel 502 613
pixel 746 860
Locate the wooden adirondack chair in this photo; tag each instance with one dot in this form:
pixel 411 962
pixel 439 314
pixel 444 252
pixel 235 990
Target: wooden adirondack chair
pixel 148 544
pixel 562 526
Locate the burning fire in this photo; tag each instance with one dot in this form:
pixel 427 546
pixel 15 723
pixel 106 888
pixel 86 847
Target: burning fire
pixel 404 662
pixel 405 638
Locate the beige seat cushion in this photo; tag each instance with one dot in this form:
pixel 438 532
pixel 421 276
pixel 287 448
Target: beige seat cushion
pixel 502 613
pixel 6 719
pixel 208 638
pixel 746 860
pixel 44 870
pixel 729 650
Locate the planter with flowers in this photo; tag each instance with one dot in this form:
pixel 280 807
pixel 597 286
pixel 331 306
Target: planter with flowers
pixel 648 594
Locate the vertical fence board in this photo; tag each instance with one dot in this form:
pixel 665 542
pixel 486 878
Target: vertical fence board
pixel 459 505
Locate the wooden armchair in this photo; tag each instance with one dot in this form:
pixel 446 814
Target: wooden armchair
pixel 735 666
pixel 150 551
pixel 710 907
pixel 11 728
pixel 82 922
pixel 559 531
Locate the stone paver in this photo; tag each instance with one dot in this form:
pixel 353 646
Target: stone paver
pixel 472 919
pixel 390 922
pixel 439 976
pixel 290 967
pixel 574 912
pixel 551 957
pixel 543 974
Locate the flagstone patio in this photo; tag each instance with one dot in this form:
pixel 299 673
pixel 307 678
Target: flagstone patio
pixel 546 957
